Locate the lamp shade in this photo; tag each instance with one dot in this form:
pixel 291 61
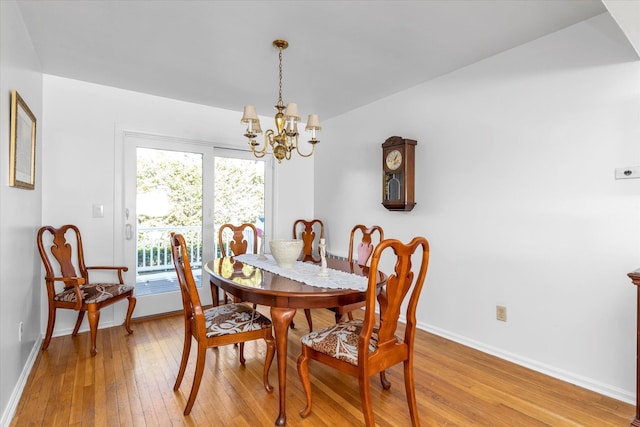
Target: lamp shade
pixel 313 122
pixel 249 115
pixel 291 112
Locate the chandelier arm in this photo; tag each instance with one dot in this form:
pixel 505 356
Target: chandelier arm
pixel 268 140
pixel 313 147
pixel 258 154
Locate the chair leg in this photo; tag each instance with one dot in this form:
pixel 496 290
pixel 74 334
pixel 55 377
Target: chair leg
pixel 78 323
pixel 197 377
pixel 271 351
pixel 94 318
pixel 186 349
pixel 242 360
pixel 303 373
pixel 411 392
pixel 350 315
pixel 307 314
pixel 365 397
pixel 50 324
pixel 127 320
pixel 386 384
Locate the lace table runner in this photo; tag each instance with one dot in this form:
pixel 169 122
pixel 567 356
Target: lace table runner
pixel 307 273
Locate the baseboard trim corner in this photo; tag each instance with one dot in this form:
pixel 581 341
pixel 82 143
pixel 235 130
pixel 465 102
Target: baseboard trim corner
pixel 10 410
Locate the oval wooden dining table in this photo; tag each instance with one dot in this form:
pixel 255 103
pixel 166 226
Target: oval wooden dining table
pixel 284 296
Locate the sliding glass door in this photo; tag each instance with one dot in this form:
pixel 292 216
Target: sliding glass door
pixel 172 185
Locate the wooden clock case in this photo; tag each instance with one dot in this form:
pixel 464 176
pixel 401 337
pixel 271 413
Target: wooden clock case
pixel 398 185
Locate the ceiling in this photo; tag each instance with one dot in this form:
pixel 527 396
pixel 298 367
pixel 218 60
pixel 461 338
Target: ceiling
pixel 341 55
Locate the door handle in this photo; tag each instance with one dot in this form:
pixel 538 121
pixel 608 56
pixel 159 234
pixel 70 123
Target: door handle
pixel 128 232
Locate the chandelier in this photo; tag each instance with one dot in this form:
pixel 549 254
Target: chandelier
pixel 284 140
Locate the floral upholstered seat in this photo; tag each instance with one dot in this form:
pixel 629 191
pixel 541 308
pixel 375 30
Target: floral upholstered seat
pixel 340 340
pixel 233 319
pixel 94 292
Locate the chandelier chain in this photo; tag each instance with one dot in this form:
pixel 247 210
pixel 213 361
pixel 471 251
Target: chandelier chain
pixel 280 102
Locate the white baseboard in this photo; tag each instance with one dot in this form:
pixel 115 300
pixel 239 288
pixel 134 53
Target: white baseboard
pixel 10 410
pixel 588 383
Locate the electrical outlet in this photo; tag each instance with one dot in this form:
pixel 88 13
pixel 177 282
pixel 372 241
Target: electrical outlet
pixel 501 313
pixel 20 331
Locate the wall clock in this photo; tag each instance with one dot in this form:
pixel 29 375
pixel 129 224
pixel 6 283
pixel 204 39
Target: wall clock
pixel 398 173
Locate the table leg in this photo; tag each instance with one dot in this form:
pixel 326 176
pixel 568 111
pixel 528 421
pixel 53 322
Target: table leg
pixel 214 294
pixel 281 318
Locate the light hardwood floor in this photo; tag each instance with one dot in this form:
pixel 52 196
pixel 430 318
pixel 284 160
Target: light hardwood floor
pixel 130 383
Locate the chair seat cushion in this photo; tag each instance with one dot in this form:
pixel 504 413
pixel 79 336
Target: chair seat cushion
pixel 94 292
pixel 232 319
pixel 340 340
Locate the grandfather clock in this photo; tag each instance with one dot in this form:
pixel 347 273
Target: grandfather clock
pixel 398 174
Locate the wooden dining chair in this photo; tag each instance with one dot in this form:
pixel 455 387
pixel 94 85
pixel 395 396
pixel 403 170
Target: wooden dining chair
pixel 362 348
pixel 307 232
pixel 232 240
pixel 77 291
pixel 219 325
pixel 363 251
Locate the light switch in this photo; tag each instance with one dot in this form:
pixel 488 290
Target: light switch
pixel 98 211
pixel 628 173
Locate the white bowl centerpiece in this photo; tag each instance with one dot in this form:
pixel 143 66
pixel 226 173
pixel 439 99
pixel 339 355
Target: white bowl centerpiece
pixel 285 252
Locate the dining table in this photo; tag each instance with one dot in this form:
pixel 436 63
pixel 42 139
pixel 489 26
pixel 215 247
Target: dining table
pixel 257 279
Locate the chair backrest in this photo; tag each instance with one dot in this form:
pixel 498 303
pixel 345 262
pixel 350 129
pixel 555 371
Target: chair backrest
pixel 365 247
pixel 67 253
pixel 401 283
pixel 306 231
pixel 234 235
pixel 190 298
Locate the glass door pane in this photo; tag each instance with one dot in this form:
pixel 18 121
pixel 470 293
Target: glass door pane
pixel 239 195
pixel 168 199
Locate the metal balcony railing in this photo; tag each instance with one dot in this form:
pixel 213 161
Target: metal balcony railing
pixel 154 247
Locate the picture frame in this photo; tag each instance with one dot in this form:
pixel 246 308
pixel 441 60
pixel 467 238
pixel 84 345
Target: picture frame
pixel 22 153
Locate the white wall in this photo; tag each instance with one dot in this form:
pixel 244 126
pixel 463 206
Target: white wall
pixel 84 123
pixel 515 191
pixel 20 280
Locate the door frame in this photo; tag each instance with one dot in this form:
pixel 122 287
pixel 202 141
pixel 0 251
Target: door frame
pixel 120 204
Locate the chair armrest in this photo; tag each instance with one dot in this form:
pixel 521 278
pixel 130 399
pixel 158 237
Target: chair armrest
pixel 120 269
pixel 69 282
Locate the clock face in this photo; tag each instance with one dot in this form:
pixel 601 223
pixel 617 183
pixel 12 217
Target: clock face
pixel 393 159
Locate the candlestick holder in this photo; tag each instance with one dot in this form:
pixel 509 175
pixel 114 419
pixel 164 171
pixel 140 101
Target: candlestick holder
pixel 261 255
pixel 324 272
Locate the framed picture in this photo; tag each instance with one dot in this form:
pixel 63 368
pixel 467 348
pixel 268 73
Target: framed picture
pixel 22 154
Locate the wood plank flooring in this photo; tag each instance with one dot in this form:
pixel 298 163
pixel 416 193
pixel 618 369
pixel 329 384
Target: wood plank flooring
pixel 130 383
